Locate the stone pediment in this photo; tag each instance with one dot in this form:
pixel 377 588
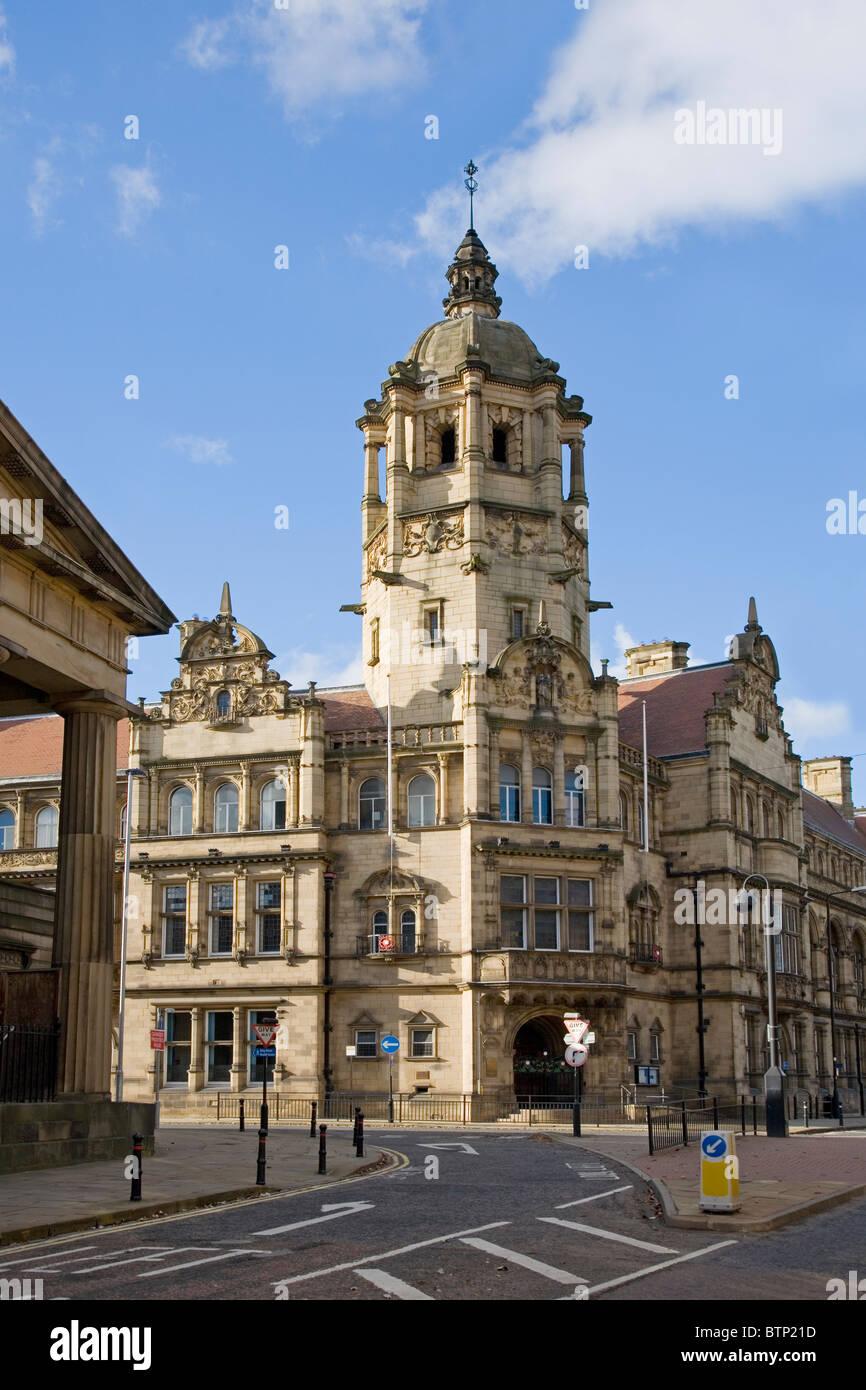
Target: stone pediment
pixel 544 674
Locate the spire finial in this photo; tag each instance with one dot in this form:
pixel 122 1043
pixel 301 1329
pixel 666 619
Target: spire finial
pixel 471 185
pixel 226 601
pixel 752 623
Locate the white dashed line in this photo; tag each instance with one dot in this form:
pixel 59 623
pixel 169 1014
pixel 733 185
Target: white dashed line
pixel 559 1276
pixel 388 1284
pixel 608 1235
pixel 596 1197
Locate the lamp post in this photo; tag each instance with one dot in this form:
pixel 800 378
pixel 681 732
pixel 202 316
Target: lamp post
pixel 131 772
pixel 774 1080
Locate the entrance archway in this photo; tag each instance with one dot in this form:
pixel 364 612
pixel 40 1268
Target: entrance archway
pixel 539 1052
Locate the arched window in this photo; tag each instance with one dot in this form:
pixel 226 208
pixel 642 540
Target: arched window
pixel 180 811
pixel 7 829
pixel 768 818
pixel 623 811
pixel 123 822
pixel 371 804
pixel 500 446
pixel 542 796
pixel 223 705
pixel 407 932
pixel 272 806
pixel 225 819
pixel 750 815
pixel 422 800
pixel 46 827
pixel 509 793
pixel 575 798
pixel 449 448
pixel 380 929
pixel 780 824
pixel 857 961
pixel 641 828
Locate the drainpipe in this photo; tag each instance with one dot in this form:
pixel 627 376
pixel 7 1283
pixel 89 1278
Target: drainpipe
pixel 330 879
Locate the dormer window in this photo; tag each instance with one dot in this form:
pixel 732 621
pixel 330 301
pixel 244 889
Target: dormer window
pixel 500 446
pixel 449 448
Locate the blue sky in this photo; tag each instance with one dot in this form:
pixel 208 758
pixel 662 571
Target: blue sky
pixel 306 127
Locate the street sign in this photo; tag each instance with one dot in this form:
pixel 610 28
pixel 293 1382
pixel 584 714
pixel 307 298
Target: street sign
pixel 576 1056
pixel 386 943
pixel 720 1174
pixel 265 1054
pixel 157 1039
pixel 266 1032
pixel 351 1051
pixel 589 1037
pixel 389 1043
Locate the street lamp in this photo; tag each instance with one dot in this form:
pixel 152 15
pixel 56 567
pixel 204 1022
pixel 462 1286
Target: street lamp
pixel 774 1081
pixel 118 1075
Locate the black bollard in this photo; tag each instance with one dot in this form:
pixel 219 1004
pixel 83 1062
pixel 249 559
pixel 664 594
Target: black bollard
pixel 260 1161
pixel 241 1114
pixel 355 1130
pixel 135 1192
pixel 315 1106
pixel 323 1148
pixel 359 1133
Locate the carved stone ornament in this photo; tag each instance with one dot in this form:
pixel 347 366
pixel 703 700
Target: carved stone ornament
pixel 475 562
pixel 516 533
pixel 239 684
pixel 572 550
pixel 377 553
pixel 432 533
pixel 504 417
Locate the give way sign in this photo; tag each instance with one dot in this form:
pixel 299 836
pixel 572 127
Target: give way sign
pixel 266 1032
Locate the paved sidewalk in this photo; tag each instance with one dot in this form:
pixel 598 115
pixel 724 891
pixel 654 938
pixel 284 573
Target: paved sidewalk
pixel 190 1168
pixel 781 1180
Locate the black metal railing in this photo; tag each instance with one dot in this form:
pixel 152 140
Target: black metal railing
pixel 642 953
pixel 400 943
pixel 28 1061
pixel 669 1126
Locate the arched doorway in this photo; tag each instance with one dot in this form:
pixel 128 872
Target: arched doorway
pixel 540 1068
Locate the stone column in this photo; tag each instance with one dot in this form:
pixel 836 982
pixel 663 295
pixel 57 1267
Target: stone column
pixel 241 944
pixel 344 792
pixel 238 1067
pixel 198 803
pixel 194 943
pixel 84 909
pixel 442 759
pixel 20 813
pixel 153 801
pixel 577 490
pixel 558 782
pixel 294 791
pixel 195 1076
pixel 526 779
pixel 245 796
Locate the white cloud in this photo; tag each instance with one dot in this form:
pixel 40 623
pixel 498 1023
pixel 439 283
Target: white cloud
pixel 596 162
pixel 205 46
pixel 137 196
pixel 623 640
pixel 339 664
pixel 42 191
pixel 317 54
pixel 806 719
pixel 7 52
pixel 197 449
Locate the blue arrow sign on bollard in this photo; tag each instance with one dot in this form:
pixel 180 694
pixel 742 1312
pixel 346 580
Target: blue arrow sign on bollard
pixel 390 1043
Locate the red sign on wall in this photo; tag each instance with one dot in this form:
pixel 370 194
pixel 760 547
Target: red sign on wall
pixel 157 1039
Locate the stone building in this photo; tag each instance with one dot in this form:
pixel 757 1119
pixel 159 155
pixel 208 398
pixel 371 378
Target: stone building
pixel 519 881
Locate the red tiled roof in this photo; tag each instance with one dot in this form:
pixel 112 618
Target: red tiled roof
pixel 824 817
pixel 350 709
pixel 34 747
pixel 676 703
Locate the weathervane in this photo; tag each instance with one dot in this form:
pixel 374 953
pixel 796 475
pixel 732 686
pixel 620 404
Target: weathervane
pixel 472 185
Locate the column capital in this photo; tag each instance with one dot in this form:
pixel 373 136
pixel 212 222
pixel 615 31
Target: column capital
pixel 94 702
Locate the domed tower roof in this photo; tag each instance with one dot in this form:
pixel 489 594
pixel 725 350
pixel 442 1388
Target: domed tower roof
pixel 472 326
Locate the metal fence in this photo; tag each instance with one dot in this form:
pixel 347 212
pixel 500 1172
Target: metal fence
pixel 425 1108
pixel 28 1061
pixel 669 1126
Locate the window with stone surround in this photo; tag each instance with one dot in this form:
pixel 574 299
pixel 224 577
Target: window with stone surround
pixel 371 804
pixel 542 796
pixel 178 1042
pixel 509 793
pixel 219 1048
pixel 46 827
pixel 421 796
pixel 180 811
pixel 575 797
pixel 268 917
pixel 366 1042
pixel 787 943
pixel 422 1042
pixel 545 913
pixel 174 919
pixel 226 809
pixel 221 918
pixel 273 806
pixel 7 829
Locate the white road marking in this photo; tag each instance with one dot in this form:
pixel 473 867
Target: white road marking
pixel 467 1148
pixel 596 1196
pixel 653 1269
pixel 7 1264
pixel 559 1276
pixel 386 1254
pixel 164 1253
pixel 607 1235
pixel 211 1259
pixel 345 1209
pixel 388 1284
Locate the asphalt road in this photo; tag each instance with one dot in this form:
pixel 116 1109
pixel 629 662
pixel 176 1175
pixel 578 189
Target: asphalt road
pixel 467 1217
